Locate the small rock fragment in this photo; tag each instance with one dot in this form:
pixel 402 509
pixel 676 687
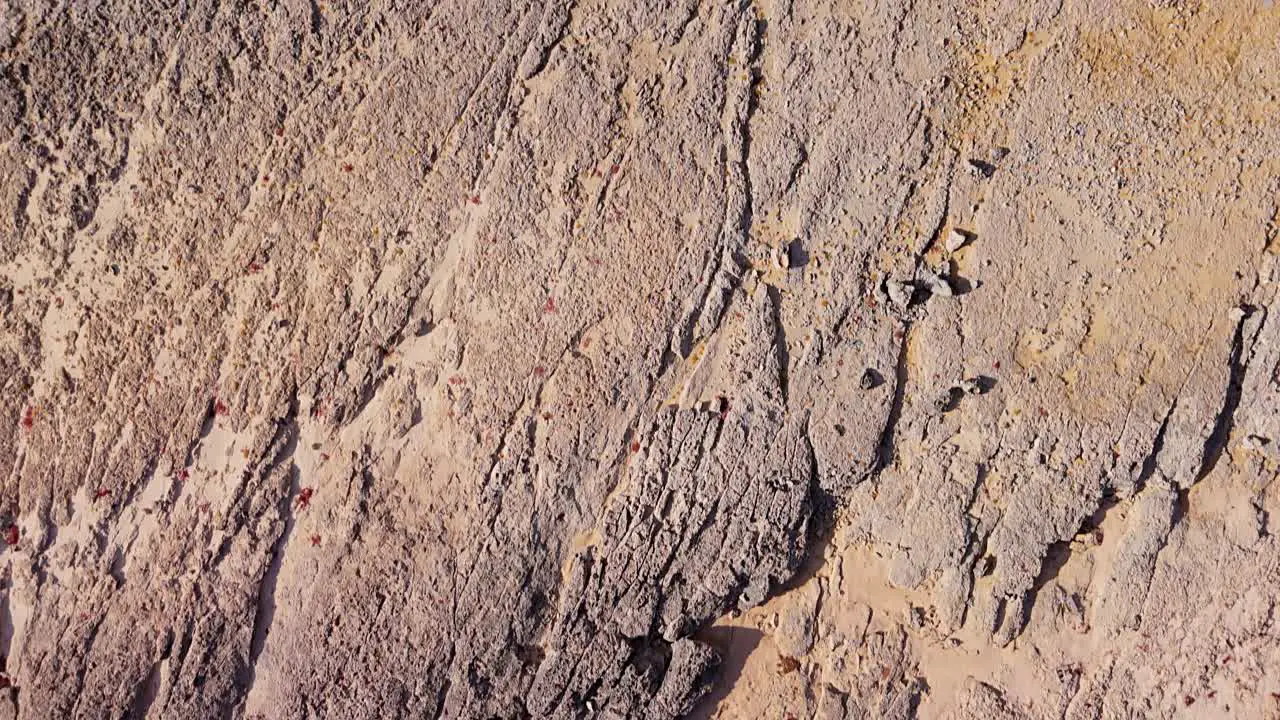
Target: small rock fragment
pixel 936 284
pixel 781 258
pixel 797 626
pixel 981 168
pixel 899 293
pixel 949 400
pixel 797 257
pixel 915 617
pixel 958 238
pixel 870 379
pixel 1255 442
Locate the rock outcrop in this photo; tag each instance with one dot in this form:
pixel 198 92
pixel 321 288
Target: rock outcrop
pixel 639 360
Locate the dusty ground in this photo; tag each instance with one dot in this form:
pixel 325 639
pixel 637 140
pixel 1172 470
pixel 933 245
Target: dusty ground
pixel 627 359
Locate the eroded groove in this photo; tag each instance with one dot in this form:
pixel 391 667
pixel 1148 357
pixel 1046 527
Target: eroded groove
pixel 283 445
pixel 1238 363
pixel 780 349
pixel 885 447
pixel 145 694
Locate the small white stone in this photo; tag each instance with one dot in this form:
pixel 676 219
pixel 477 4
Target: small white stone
pixel 936 284
pixel 899 293
pixel 957 239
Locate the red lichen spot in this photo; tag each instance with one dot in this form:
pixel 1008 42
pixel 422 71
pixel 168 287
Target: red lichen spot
pixel 100 493
pixel 539 371
pixel 184 475
pixel 11 536
pixel 28 417
pixel 347 167
pixel 58 301
pixel 586 343
pixel 1044 413
pixel 635 446
pixel 304 498
pixel 1188 700
pixel 1226 659
pixel 280 131
pixel 254 268
pixel 546 415
pixel 549 306
pixel 475 199
pixel 219 407
pixel 1212 694
pixel 457 380
pixel 324 457
pixel 315 541
pixel 996 365
pixel 613 169
pixel 266 179
pixel 203 507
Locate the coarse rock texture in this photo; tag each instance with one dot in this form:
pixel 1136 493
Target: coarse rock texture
pixel 623 359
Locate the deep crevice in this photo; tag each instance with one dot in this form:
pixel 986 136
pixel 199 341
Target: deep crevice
pixel 1216 443
pixel 780 342
pixel 266 605
pixel 1157 446
pixel 884 451
pixel 146 693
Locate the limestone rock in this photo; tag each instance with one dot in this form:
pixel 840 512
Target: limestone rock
pixel 476 359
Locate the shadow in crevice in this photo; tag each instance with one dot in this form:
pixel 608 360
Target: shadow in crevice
pixel 1059 553
pixel 1216 443
pixel 146 692
pixel 735 645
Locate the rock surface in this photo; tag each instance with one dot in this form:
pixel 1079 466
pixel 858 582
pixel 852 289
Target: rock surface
pixel 623 359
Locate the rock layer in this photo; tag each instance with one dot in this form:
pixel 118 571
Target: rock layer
pixel 477 359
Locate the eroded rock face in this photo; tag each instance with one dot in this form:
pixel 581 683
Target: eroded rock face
pixel 473 359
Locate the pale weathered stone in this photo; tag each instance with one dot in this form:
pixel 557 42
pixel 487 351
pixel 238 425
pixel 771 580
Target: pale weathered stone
pixel 474 359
